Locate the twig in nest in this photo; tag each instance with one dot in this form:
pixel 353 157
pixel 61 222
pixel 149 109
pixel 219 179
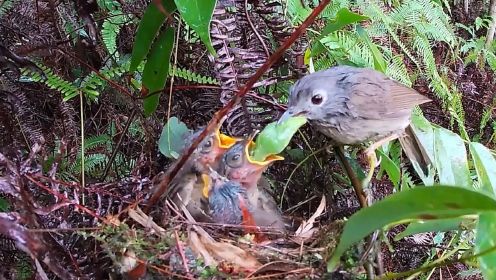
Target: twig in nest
pixel 216 119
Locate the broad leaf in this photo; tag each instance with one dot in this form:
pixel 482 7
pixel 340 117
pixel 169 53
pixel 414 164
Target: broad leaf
pixel 343 18
pixel 420 203
pixel 442 225
pixel 379 62
pixel 424 131
pixel 198 14
pixel 147 30
pixel 485 165
pixel 171 140
pixel 451 159
pixel 391 168
pixel 157 68
pixel 484 241
pixel 275 137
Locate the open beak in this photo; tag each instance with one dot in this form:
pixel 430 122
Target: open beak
pixel 269 159
pixel 288 114
pixel 225 141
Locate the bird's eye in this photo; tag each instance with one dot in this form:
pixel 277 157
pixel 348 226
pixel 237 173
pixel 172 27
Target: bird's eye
pixel 317 99
pixel 234 161
pixel 207 146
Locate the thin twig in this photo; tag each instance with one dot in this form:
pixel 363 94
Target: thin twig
pixel 181 253
pixel 119 143
pixel 357 186
pixel 219 115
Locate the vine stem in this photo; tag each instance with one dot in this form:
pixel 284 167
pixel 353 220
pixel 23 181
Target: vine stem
pixel 81 105
pixel 218 116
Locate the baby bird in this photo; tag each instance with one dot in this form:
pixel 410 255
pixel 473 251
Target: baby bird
pixel 238 166
pixel 186 188
pixel 227 200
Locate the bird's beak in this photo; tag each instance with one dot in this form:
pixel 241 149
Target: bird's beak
pixel 225 141
pixel 288 114
pixel 206 185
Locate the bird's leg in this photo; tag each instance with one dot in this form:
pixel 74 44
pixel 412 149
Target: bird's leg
pixel 370 153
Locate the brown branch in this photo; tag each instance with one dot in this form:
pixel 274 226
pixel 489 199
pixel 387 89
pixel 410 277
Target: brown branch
pixel 218 116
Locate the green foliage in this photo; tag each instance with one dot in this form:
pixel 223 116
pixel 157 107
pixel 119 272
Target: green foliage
pixel 147 30
pixel 275 137
pixel 344 17
pixel 53 81
pixel 437 202
pixel 474 48
pixel 110 29
pixel 157 68
pixel 90 85
pixel 97 150
pixel 198 14
pixel 5 6
pixel 189 75
pixel 4 204
pixel 171 140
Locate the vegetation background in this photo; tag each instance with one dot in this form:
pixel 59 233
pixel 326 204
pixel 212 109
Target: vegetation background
pixel 86 88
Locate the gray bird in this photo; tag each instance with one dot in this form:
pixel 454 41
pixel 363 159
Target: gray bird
pixel 354 105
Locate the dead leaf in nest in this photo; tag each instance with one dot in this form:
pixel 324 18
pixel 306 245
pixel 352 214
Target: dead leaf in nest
pixel 215 253
pixel 306 229
pixel 112 220
pixel 146 221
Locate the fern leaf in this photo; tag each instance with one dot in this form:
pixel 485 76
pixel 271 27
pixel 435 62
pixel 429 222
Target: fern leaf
pixel 110 29
pixel 53 81
pixel 192 77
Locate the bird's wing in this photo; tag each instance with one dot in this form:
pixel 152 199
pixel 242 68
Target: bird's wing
pixel 375 96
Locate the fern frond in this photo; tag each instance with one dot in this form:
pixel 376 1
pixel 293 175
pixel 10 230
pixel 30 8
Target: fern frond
pixel 296 12
pixel 5 6
pixel 96 141
pixel 111 28
pixel 109 5
pixel 92 164
pixel 331 10
pixel 397 70
pixel 192 77
pixel 52 80
pixel 92 84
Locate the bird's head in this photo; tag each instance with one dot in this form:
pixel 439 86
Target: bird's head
pixel 238 165
pixel 318 94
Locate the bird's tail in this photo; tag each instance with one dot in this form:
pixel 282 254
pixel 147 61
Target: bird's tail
pixel 414 149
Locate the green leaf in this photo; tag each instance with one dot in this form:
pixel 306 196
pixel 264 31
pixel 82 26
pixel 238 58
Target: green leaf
pixel 343 18
pixel 147 30
pixel 198 14
pixel 485 165
pixel 451 158
pixel 275 137
pixel 420 203
pixel 429 226
pixel 486 240
pixel 379 62
pixel 391 168
pixel 171 140
pixel 157 68
pixel 4 204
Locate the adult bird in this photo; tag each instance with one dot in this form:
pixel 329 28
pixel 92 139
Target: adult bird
pixel 354 105
pixel 237 165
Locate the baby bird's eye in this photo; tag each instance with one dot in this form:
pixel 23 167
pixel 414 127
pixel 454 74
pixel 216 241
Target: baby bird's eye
pixel 207 146
pixel 317 99
pixel 234 161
